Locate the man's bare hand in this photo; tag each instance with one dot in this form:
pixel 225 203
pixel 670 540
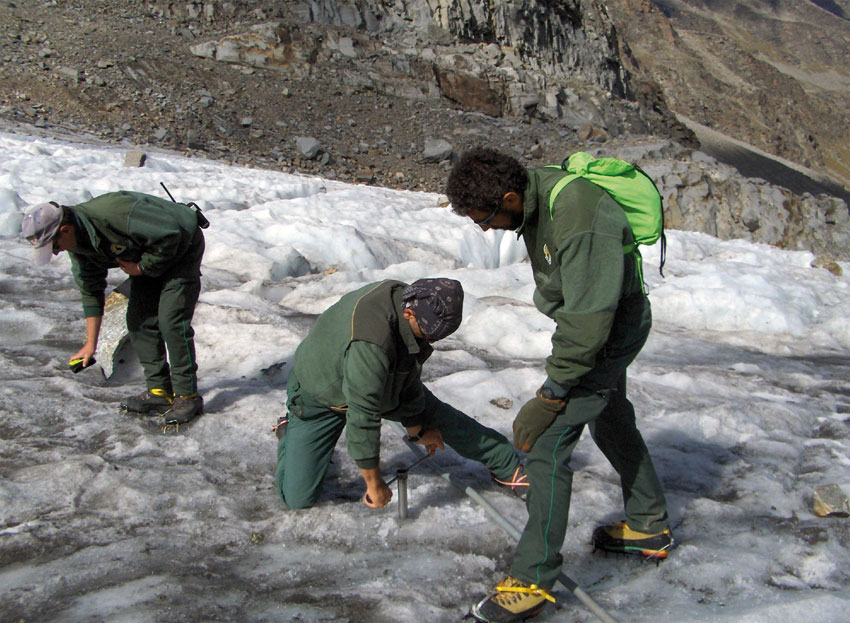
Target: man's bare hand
pixel 85 353
pixel 131 268
pixel 432 440
pixel 378 494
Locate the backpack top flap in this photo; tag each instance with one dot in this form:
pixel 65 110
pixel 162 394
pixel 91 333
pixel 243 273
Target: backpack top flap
pixel 627 184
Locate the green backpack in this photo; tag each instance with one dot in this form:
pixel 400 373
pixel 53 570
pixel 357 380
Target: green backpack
pixel 629 186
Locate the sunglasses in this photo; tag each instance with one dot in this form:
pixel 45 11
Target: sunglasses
pixel 486 220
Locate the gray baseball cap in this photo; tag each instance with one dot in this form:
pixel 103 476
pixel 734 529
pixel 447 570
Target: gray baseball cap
pixel 39 226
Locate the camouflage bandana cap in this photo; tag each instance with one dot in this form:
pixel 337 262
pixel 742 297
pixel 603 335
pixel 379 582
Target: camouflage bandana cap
pixel 437 304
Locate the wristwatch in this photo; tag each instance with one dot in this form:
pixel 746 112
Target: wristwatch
pixel 417 436
pixel 548 393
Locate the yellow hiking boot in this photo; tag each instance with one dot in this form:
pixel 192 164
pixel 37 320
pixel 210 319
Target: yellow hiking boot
pixel 621 539
pixel 511 601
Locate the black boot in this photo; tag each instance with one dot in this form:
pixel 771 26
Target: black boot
pixel 517 483
pixel 279 429
pixel 150 401
pixel 184 409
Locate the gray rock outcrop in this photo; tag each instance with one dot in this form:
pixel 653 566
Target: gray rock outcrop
pixel 521 59
pixel 504 58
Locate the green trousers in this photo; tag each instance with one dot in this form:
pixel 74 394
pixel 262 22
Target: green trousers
pixel 304 453
pixel 159 319
pixel 598 401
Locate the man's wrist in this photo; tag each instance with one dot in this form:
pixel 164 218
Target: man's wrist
pixel 371 475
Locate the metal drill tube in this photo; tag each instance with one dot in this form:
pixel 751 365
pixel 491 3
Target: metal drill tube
pixel 401 475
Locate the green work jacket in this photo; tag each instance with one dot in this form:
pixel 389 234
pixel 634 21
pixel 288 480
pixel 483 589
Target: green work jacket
pixel 580 269
pixel 135 227
pixel 362 359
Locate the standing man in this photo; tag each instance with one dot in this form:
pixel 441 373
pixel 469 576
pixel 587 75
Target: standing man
pixel 361 363
pixel 159 244
pixel 593 290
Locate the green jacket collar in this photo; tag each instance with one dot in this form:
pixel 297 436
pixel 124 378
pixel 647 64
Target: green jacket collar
pixel 89 243
pixel 414 345
pixel 529 203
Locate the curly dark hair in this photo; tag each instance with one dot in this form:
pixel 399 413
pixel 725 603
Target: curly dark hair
pixel 481 177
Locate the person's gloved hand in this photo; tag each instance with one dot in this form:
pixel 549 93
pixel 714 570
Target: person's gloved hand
pixel 537 414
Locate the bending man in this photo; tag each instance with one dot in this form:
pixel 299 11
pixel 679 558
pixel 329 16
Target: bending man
pixel 159 244
pixel 361 363
pixel 593 290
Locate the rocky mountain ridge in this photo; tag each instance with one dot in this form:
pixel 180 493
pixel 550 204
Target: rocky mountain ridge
pixel 381 93
pixel 774 73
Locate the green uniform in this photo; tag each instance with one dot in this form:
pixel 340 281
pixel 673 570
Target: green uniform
pixel 360 364
pixel 165 240
pixel 593 291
